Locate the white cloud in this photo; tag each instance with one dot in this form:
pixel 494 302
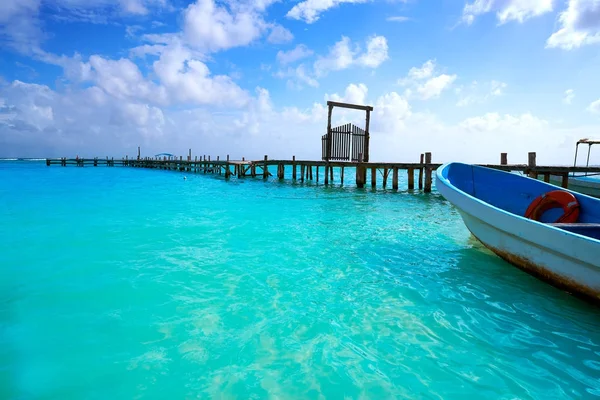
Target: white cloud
pixel 433 87
pixel 298 77
pixel 594 107
pixel 377 52
pixel 297 53
pixel 189 80
pixel 479 93
pixel 398 18
pixel 354 94
pixel 492 122
pixel 279 34
pixel 344 54
pixel 309 11
pixel 210 27
pixel 569 96
pixel 579 25
pixel 22 29
pixel 507 10
pixel 426 82
pixel 38 121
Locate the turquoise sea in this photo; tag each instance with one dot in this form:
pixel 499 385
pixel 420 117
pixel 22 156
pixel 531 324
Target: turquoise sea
pixel 122 283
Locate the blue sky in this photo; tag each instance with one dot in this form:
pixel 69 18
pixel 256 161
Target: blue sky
pixel 464 80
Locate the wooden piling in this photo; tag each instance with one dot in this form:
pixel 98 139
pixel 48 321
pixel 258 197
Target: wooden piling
pixel 531 165
pixel 265 169
pixel 385 176
pixel 342 175
pixel 395 178
pixel 326 174
pixel 427 173
pixel 294 168
pixel 373 177
pixel 411 179
pixel 331 174
pixel 421 174
pixel 302 173
pixel 503 159
pixel 317 172
pixel 565 181
pixel 547 177
pixel 310 169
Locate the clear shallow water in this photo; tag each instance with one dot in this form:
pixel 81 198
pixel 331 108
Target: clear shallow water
pixel 128 283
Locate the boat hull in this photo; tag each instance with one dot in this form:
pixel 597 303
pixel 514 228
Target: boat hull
pixel 578 185
pixel 563 273
pixel 567 261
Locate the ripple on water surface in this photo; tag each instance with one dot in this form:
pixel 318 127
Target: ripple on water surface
pixel 124 283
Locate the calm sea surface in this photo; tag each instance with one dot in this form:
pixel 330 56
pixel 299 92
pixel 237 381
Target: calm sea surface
pixel 120 283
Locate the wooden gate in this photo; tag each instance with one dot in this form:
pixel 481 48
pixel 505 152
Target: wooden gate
pixel 347 144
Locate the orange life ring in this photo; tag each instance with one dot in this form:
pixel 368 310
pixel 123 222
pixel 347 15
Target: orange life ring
pixel 554 199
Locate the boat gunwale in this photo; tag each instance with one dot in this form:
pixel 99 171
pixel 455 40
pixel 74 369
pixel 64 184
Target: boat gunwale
pixel 508 213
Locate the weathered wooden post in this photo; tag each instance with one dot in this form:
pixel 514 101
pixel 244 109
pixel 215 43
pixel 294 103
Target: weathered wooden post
pixel 385 176
pixel 302 167
pixel 331 173
pixel 395 178
pixel 531 165
pixel 294 168
pixel 411 179
pixel 227 171
pixel 317 172
pixel 367 135
pixel 265 169
pixel 565 180
pixel 503 159
pixel 421 174
pixel 427 173
pixel 360 173
pixel 373 177
pixel 547 177
pixel 280 171
pixel 138 153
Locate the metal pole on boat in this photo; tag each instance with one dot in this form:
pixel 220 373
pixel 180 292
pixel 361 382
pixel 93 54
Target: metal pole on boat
pixel 588 158
pixel 575 162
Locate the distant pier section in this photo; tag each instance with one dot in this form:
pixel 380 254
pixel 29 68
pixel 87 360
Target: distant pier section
pixel 343 147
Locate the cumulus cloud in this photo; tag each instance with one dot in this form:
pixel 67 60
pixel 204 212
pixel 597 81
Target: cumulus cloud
pixel 426 82
pixel 342 55
pixel 397 18
pixel 345 54
pixel 354 94
pixel 579 25
pixel 310 11
pixel 506 10
pixel 478 92
pixel 297 53
pixel 569 96
pixel 594 107
pixel 21 27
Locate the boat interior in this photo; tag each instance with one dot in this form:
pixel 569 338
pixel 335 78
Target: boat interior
pixel 514 193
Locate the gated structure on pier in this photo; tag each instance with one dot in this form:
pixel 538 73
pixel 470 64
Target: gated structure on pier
pixel 346 142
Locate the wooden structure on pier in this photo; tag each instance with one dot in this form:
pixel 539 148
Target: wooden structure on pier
pixel 346 142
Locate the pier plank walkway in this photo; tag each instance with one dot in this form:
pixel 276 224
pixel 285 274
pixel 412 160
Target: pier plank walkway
pixel 253 168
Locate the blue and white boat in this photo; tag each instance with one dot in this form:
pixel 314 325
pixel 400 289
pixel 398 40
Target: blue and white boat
pixel 581 182
pixel 493 205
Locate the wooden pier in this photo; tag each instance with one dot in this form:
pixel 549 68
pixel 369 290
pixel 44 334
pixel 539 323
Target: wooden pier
pixel 305 170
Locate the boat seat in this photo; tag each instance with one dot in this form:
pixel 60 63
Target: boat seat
pixel 586 229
